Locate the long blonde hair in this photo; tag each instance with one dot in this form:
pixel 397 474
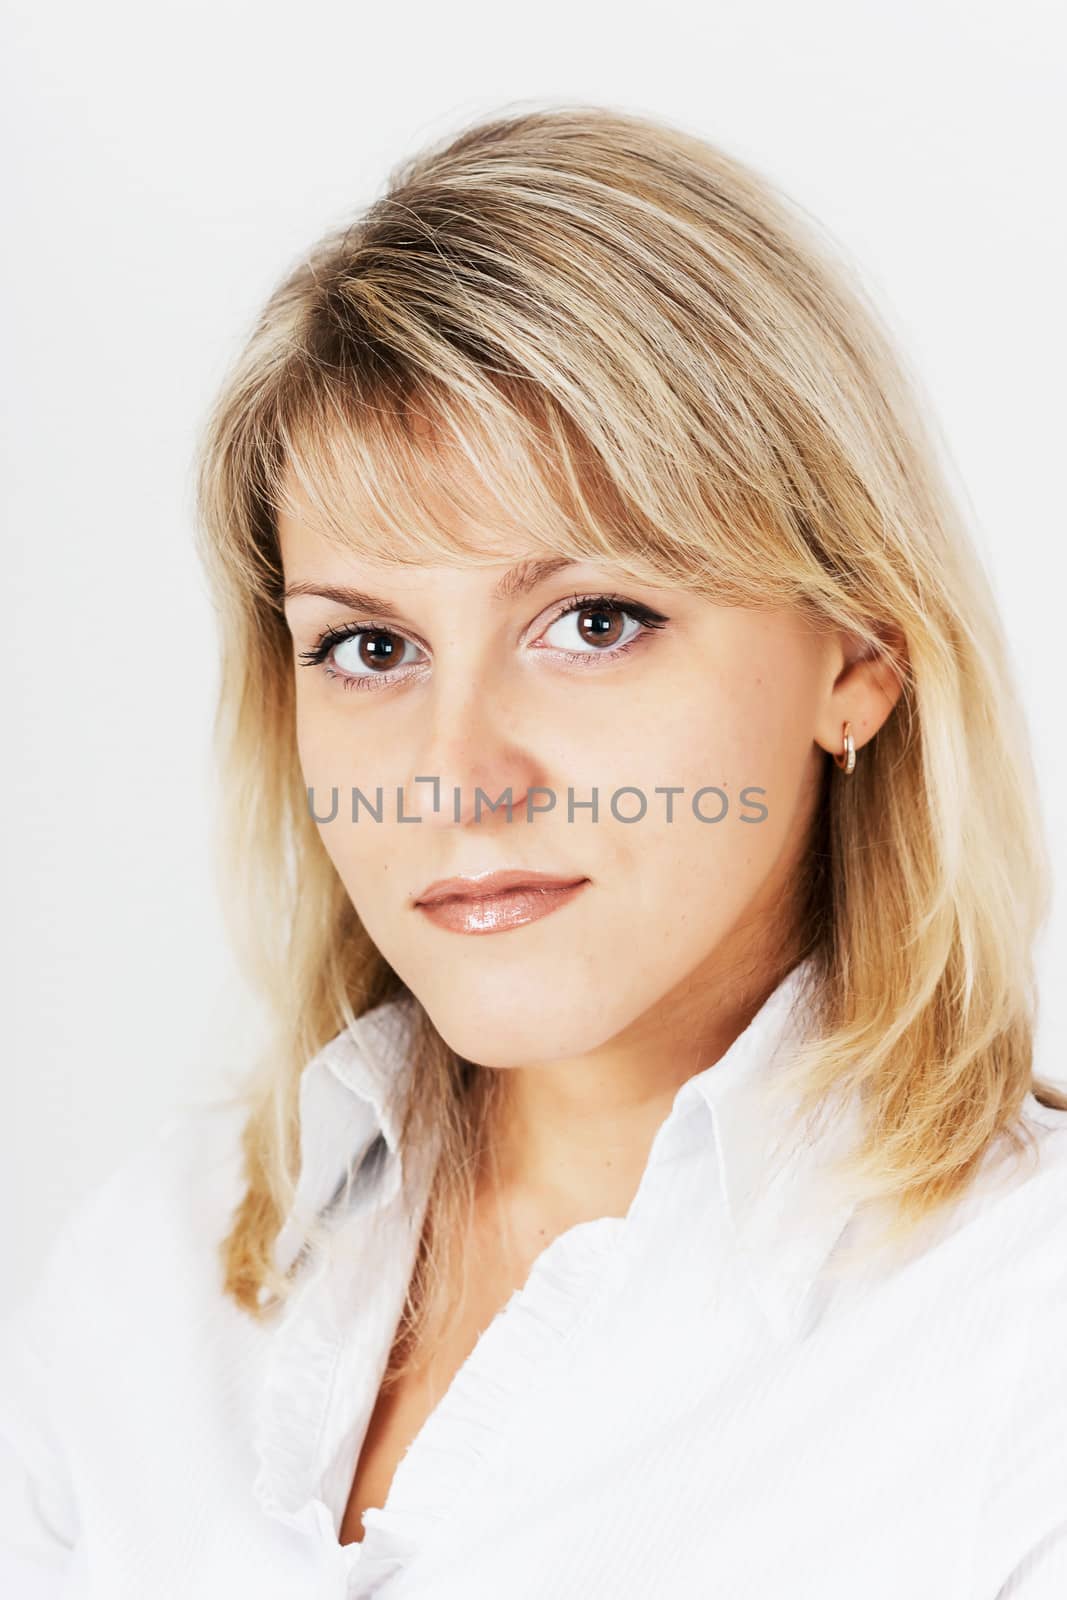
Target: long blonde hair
pixel 649 355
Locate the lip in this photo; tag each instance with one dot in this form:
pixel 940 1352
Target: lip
pixel 507 908
pixel 488 884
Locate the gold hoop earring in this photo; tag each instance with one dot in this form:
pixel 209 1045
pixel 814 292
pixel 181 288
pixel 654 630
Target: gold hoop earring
pixel 847 759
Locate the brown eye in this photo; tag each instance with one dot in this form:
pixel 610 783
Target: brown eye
pixel 592 628
pixel 600 624
pixel 378 652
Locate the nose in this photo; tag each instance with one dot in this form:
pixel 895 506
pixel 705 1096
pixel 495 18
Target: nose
pixel 471 757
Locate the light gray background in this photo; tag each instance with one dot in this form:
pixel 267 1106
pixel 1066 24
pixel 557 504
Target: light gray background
pixel 165 163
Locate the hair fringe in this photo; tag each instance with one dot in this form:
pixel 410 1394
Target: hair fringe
pixel 647 353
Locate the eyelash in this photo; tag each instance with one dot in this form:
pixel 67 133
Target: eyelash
pixel 332 637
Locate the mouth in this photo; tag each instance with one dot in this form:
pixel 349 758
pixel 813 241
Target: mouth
pixel 489 885
pixel 496 902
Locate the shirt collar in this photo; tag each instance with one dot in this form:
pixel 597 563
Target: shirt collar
pixel 349 1101
pixel 777 1178
pixel 784 1215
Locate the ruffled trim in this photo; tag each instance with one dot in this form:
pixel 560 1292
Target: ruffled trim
pixel 476 1417
pixel 347 1100
pixel 302 1357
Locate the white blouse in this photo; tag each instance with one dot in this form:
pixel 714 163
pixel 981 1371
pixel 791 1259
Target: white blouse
pixel 678 1403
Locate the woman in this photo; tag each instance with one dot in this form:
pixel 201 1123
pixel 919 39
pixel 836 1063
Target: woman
pixel 630 824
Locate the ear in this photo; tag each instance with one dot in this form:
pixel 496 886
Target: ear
pixel 864 684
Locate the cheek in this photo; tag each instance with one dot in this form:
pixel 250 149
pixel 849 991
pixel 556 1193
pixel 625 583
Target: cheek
pixel 313 738
pixel 739 753
pixel 714 738
pixel 331 767
pixel 335 748
pixel 749 726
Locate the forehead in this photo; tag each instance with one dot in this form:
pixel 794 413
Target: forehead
pixel 352 500
pixel 336 522
pixel 310 552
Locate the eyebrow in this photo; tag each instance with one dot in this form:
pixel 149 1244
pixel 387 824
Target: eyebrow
pixel 517 581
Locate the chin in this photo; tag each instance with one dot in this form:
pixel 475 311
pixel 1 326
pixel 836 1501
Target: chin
pixel 506 1044
pixel 510 1024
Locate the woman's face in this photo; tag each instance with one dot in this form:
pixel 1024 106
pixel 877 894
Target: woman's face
pixel 477 683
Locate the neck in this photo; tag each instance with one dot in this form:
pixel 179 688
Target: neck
pixel 571 1138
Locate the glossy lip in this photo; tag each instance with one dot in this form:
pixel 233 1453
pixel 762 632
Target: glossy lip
pixel 504 910
pixel 488 884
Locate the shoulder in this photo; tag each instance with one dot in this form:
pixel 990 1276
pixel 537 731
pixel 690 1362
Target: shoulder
pixel 152 1224
pixel 1026 1468
pixel 1026 1189
pixel 129 1287
pixel 1000 1243
pixel 183 1178
pixel 1021 1243
pixel 185 1175
pixel 1045 1129
pixel 122 1320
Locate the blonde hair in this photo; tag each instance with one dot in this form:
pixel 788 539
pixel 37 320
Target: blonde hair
pixel 648 355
